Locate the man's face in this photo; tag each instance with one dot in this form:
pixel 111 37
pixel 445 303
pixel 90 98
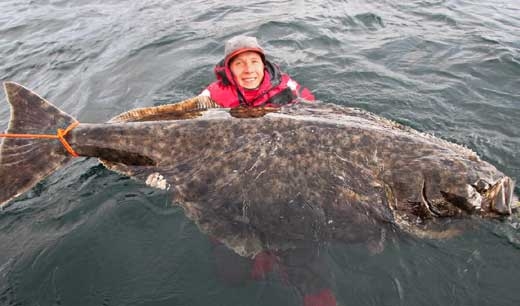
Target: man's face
pixel 248 69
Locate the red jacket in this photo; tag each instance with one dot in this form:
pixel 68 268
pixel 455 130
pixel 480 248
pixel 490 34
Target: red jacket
pixel 276 89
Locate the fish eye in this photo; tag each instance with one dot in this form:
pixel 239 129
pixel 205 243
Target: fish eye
pixel 481 185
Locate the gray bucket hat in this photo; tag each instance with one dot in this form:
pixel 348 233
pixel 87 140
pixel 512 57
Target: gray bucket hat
pixel 239 44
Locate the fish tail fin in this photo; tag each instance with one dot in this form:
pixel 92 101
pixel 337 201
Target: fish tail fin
pixel 25 162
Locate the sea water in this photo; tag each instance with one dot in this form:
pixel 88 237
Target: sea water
pixel 88 236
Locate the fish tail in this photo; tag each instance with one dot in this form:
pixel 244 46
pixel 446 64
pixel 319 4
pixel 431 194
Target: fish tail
pixel 24 161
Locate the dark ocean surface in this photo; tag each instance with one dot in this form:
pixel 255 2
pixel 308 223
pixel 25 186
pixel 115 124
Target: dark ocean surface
pixel 88 236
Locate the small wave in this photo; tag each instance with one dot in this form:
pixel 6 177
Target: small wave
pixel 370 20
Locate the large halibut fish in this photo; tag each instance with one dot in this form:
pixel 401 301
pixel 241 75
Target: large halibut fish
pixel 306 172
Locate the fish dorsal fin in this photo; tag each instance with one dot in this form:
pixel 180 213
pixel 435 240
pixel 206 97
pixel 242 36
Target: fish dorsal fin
pixel 252 112
pixel 187 109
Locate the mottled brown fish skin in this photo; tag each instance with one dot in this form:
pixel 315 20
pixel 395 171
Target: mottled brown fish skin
pixel 309 172
pixel 273 178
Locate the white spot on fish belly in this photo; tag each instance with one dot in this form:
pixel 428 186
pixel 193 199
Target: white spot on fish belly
pixel 156 180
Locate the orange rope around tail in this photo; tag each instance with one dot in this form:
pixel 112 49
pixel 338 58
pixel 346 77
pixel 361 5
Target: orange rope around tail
pixel 60 135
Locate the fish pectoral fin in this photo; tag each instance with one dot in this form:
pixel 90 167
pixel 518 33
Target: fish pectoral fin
pixel 429 205
pixel 187 109
pixel 421 207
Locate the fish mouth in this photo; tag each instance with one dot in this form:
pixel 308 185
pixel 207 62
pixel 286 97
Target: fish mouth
pixel 498 198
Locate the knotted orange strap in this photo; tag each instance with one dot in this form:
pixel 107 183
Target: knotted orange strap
pixel 60 135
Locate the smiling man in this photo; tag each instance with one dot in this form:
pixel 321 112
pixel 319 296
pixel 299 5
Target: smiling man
pixel 248 69
pixel 246 78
